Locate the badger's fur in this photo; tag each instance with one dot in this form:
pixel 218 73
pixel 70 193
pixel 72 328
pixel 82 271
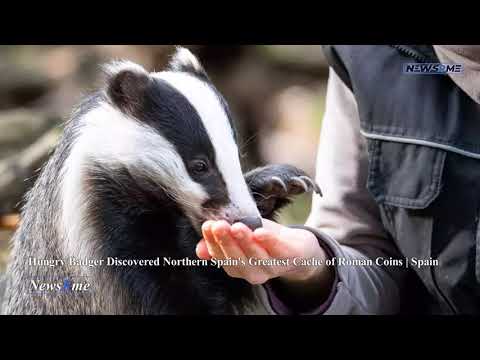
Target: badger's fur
pixel 141 165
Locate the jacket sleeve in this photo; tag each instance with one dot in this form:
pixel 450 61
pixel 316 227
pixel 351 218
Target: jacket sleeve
pixel 346 219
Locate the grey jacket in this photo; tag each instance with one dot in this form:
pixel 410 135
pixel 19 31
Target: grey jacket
pixel 347 215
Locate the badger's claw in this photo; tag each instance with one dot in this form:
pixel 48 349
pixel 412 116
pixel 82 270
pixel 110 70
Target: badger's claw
pixel 273 186
pixel 277 180
pixel 299 180
pixel 312 183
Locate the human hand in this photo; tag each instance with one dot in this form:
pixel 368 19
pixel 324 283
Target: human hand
pixel 269 244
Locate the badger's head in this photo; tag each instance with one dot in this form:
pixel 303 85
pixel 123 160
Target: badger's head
pixel 151 135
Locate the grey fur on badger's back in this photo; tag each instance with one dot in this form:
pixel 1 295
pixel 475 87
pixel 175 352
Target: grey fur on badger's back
pixel 38 234
pixel 127 180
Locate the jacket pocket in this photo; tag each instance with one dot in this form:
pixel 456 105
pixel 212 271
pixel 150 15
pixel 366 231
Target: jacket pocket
pixel 404 175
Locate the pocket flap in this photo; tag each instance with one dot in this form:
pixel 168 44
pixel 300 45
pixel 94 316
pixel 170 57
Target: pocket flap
pixel 404 175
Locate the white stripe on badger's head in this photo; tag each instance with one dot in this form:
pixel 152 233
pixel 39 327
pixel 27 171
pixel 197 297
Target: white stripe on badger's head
pixel 217 124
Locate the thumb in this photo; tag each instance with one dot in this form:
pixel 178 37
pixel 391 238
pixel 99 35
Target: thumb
pixel 274 238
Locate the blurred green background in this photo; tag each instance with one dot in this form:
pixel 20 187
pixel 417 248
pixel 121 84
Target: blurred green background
pixel 276 94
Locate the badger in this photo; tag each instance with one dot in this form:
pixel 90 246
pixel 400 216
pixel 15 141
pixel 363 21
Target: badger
pixel 141 164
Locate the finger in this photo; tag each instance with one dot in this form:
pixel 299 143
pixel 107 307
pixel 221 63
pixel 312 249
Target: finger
pixel 244 237
pixel 254 250
pixel 202 251
pixel 223 239
pixel 226 242
pixel 212 246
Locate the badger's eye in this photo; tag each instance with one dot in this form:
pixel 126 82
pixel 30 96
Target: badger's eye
pixel 199 166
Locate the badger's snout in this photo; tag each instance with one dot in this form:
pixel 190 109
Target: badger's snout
pixel 253 222
pixel 233 215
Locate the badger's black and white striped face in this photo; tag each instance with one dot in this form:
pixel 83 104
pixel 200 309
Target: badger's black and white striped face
pixel 169 129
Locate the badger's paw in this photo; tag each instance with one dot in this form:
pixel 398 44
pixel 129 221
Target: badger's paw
pixel 273 186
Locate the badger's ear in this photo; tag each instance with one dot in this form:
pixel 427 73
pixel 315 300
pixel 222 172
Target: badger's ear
pixel 126 84
pixel 183 60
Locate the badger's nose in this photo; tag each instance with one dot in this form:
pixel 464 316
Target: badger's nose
pixel 252 222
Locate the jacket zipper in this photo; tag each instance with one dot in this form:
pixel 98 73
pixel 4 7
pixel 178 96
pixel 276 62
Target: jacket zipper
pixel 411 53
